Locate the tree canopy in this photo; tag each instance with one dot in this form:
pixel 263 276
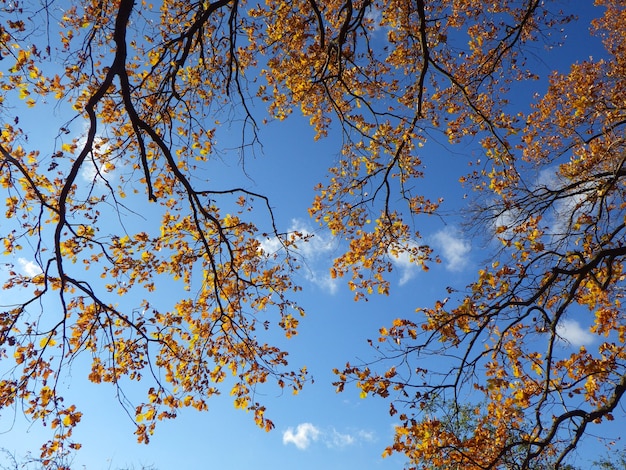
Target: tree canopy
pixel 145 91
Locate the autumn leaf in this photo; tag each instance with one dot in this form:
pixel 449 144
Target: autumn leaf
pixel 133 204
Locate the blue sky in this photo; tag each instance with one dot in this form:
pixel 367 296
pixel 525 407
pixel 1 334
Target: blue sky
pixel 318 428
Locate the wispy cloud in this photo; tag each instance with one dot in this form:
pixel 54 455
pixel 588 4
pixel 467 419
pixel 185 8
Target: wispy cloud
pixel 564 210
pixel 404 261
pixel 338 439
pixel 306 433
pixel 95 168
pixel 303 435
pixel 90 172
pixel 568 207
pixel 454 249
pixel 270 246
pixel 322 280
pixel 314 248
pixel 374 15
pixel 571 332
pixel 29 268
pixel 366 436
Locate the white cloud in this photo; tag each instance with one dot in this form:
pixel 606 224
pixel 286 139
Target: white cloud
pixel 307 433
pixel 94 167
pixel 567 208
pixel 314 245
pixel 374 15
pixel 89 172
pixel 571 332
pixel 508 218
pixel 303 436
pixel 29 268
pixel 570 204
pixel 323 281
pixel 367 436
pixel 341 440
pixel 270 246
pixel 311 245
pixel 315 250
pixel 454 249
pixel 403 261
pixel 548 177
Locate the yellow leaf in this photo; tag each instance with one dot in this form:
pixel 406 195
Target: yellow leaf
pixel 47 341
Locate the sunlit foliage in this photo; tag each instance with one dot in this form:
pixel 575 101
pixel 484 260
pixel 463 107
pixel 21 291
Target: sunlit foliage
pixel 145 88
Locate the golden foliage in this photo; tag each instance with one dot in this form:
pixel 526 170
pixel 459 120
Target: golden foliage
pixel 149 84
